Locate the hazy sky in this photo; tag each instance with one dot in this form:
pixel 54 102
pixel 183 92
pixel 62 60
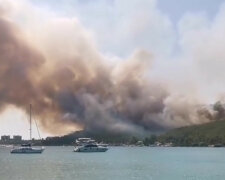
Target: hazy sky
pixel 176 9
pixel 108 20
pixel 186 37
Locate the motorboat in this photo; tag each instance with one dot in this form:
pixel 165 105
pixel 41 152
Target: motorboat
pixel 27 148
pixel 89 145
pixel 90 148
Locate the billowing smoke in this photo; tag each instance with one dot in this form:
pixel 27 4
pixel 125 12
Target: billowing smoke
pixel 72 86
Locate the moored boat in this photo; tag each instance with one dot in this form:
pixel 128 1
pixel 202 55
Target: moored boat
pixel 90 148
pixel 27 148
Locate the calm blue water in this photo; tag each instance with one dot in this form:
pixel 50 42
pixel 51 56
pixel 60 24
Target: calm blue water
pixel 119 163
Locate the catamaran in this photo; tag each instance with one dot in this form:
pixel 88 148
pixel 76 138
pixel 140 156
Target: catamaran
pixel 27 148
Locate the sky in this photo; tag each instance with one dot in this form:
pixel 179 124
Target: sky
pixel 185 37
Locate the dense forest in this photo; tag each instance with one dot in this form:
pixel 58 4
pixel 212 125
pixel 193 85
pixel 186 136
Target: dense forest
pixel 212 133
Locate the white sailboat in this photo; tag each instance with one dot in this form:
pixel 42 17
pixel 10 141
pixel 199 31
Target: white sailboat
pixel 27 148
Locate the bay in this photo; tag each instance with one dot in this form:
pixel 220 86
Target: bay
pixel 118 163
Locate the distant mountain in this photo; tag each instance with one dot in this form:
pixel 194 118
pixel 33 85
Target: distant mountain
pixel 212 133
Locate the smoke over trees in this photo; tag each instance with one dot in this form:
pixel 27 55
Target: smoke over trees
pixel 72 86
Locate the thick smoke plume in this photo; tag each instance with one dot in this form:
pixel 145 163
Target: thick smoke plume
pixel 72 86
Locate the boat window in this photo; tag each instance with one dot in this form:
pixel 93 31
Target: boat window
pixel 91 145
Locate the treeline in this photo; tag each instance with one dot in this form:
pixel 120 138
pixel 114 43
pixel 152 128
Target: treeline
pixel 147 141
pixel 101 137
pixel 212 133
pixel 112 139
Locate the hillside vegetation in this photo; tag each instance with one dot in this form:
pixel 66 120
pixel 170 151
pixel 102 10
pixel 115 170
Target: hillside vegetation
pixel 212 133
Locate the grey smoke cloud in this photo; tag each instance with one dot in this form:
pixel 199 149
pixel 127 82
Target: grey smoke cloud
pixel 72 86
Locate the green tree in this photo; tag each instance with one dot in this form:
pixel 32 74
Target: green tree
pixel 133 140
pixel 152 139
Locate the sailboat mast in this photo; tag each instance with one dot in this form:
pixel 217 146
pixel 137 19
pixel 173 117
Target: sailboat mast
pixel 30 124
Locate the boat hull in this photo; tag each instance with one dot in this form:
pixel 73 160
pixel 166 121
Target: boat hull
pixel 27 151
pixel 97 149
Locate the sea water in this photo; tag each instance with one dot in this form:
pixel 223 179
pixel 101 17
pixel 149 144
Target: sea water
pixel 118 163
